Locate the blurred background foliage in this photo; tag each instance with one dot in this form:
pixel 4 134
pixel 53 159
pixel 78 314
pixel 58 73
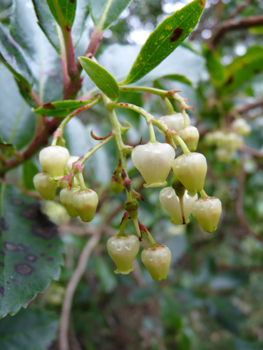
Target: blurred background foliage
pixel 211 299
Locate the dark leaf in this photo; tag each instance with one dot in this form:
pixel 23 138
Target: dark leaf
pixel 29 171
pixel 30 251
pixel 30 329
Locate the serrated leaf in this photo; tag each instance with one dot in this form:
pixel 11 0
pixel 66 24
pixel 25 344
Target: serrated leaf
pixel 12 57
pixel 165 39
pixel 29 171
pixel 104 13
pixel 47 23
pixel 243 69
pixel 30 329
pixel 60 108
pixel 101 78
pixel 30 251
pixel 63 12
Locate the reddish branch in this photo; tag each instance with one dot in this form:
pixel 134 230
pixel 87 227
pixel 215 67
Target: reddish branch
pixel 38 141
pixel 240 9
pixel 231 25
pixel 249 106
pixel 239 203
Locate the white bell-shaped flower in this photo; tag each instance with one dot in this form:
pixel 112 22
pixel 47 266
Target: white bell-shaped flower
pixel 175 121
pixel 171 203
pixel 207 212
pixel 190 169
pixel 154 161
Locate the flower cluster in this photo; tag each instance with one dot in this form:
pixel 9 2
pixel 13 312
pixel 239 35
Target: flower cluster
pixel 154 160
pixel 229 141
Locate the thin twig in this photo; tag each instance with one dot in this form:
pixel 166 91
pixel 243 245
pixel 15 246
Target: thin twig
pixel 240 9
pixel 71 287
pixel 239 202
pixel 231 25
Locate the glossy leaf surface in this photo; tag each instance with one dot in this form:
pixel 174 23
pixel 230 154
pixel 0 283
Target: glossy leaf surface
pixel 101 78
pixel 47 23
pixel 30 329
pixel 104 13
pixel 165 39
pixel 30 251
pixel 63 12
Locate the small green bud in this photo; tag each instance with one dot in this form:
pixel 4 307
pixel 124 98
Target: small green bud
pixel 157 259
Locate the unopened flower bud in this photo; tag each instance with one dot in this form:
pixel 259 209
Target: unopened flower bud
pixel 45 186
pixel 53 160
pixel 85 203
pixel 190 136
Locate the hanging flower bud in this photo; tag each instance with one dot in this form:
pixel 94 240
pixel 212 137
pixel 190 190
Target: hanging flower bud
pixel 85 203
pixel 53 160
pixel 175 121
pixel 157 259
pixel 153 160
pixel 123 250
pixel 241 127
pixel 116 184
pixel 45 186
pixel 190 135
pixel 171 204
pixel 66 196
pixel 191 170
pixel 207 212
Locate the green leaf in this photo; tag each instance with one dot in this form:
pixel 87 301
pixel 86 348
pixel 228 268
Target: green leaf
pixel 47 23
pixel 101 78
pixel 178 77
pixel 12 57
pixel 30 250
pixel 215 68
pixel 165 39
pixel 43 58
pixel 243 69
pixel 29 171
pixel 30 329
pixel 60 108
pixel 82 12
pixel 16 123
pixel 63 12
pixel 104 13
